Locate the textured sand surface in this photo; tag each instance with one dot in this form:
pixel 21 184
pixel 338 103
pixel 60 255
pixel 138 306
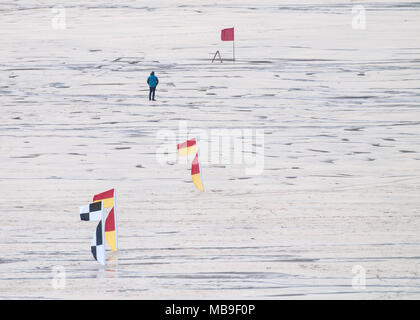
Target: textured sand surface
pixel 340 112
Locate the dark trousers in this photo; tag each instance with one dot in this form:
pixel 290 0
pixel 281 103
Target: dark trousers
pixel 152 93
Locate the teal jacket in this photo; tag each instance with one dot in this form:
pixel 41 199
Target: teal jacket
pixel 152 81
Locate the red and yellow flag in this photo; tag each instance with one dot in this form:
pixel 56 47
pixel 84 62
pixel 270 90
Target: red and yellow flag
pixel 107 198
pixel 110 230
pixel 187 147
pixel 195 174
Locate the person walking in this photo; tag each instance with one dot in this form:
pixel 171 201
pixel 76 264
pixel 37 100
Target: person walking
pixel 152 81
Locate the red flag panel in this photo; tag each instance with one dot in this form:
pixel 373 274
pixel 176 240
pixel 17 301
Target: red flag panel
pixel 228 34
pixel 195 168
pixel 104 195
pixel 186 144
pixel 110 222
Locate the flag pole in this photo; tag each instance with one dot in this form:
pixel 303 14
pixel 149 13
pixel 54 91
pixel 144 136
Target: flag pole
pixel 233 44
pixel 233 50
pixel 115 219
pixel 199 167
pixel 103 233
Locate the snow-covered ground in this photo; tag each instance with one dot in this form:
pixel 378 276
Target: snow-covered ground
pixel 339 108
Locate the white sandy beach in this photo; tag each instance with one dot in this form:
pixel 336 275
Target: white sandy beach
pixel 339 108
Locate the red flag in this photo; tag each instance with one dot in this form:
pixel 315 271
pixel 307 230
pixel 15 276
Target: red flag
pixel 228 34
